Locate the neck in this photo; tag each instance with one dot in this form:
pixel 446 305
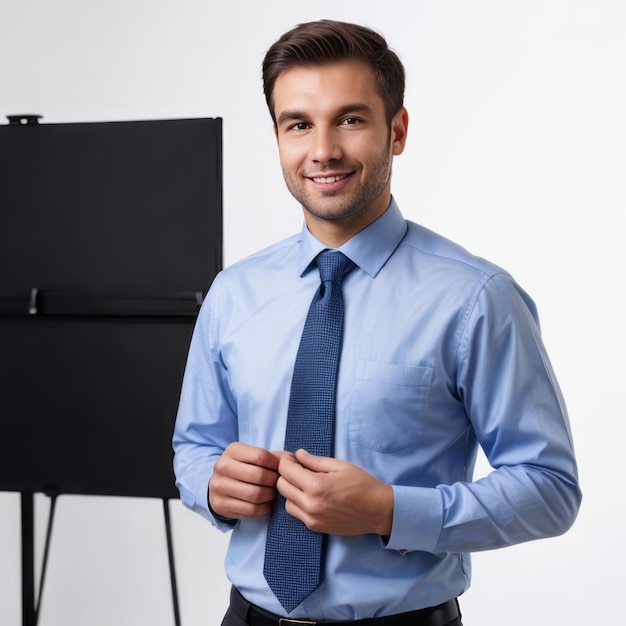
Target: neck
pixel 335 232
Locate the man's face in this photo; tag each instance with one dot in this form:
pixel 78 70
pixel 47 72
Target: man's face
pixel 335 145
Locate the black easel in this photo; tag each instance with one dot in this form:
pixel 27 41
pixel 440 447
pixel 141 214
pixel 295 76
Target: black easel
pixel 112 234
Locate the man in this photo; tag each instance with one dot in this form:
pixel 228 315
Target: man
pixel 440 353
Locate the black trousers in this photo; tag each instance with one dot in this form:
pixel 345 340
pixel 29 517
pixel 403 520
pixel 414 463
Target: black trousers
pixel 242 613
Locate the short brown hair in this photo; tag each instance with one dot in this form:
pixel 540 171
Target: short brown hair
pixel 325 41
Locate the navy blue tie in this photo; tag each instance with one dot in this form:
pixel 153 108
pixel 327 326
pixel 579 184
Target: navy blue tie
pixel 293 552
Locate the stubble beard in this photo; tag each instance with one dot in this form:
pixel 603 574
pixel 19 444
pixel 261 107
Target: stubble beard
pixel 342 204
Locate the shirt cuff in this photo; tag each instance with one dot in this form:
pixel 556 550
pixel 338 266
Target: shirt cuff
pixel 417 519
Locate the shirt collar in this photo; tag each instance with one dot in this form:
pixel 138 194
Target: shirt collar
pixel 369 249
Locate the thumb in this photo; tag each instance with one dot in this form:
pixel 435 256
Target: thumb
pixel 313 462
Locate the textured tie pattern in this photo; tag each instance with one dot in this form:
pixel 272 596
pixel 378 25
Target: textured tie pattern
pixel 293 552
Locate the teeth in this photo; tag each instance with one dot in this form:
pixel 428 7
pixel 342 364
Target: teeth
pixel 329 179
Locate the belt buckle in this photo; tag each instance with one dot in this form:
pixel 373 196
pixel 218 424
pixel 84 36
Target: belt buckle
pixel 285 621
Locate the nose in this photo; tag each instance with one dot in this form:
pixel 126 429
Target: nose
pixel 325 145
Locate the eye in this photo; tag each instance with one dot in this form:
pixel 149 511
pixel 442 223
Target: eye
pixel 351 121
pixel 299 126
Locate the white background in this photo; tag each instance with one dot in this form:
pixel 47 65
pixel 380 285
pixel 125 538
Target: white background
pixel 516 150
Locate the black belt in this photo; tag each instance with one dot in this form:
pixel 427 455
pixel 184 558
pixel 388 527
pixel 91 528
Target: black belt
pixel 433 616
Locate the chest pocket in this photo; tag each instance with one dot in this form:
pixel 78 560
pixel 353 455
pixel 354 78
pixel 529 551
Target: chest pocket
pixel 389 405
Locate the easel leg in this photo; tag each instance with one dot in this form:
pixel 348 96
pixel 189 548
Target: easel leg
pixel 28 560
pixel 170 553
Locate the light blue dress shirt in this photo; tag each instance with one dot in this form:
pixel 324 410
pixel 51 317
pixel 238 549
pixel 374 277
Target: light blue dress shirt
pixel 441 353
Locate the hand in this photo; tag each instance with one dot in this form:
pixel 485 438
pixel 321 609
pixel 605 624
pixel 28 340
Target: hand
pixel 244 481
pixel 333 496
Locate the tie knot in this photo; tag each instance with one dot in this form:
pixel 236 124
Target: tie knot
pixel 333 265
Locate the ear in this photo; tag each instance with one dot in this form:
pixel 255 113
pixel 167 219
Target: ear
pixel 399 128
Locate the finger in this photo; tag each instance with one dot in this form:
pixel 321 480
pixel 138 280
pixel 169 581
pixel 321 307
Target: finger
pixel 288 489
pixel 234 499
pixel 306 507
pixel 246 492
pixel 233 508
pixel 283 453
pixel 316 463
pixel 252 455
pixel 293 472
pixel 246 473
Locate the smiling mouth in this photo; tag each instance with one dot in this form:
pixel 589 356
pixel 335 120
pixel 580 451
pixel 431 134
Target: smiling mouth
pixel 328 179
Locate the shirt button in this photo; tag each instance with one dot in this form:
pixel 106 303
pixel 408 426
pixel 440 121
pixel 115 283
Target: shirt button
pixel 402 552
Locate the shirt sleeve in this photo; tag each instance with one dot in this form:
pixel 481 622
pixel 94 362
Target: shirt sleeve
pixel 206 422
pixel 513 403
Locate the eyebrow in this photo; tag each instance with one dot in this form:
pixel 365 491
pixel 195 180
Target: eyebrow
pixel 356 107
